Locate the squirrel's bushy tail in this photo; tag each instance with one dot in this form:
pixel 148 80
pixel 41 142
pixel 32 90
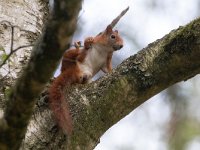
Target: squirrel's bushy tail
pixel 58 104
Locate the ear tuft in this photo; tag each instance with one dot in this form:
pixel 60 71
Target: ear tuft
pixel 109 29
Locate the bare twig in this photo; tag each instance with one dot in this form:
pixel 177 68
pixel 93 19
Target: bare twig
pixel 116 20
pixel 12 42
pixel 13 51
pixel 12 39
pixel 9 24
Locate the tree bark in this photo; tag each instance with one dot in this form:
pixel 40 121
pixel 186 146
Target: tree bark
pixel 44 60
pixel 97 106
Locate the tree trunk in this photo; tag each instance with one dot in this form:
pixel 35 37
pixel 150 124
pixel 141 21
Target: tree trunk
pixel 97 106
pixel 43 61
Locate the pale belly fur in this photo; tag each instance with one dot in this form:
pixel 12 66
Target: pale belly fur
pixel 94 61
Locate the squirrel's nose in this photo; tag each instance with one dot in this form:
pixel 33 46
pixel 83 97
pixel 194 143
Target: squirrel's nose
pixel 117 47
pixel 120 46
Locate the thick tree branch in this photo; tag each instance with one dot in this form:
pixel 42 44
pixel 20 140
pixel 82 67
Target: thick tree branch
pixel 97 106
pixel 44 59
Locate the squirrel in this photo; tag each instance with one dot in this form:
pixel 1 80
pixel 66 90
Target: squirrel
pixel 79 66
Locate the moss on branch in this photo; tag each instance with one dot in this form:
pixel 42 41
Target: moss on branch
pixel 97 106
pixel 169 60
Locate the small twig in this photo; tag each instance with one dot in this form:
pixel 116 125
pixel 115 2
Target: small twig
pixel 12 39
pixel 73 45
pixel 116 20
pixel 9 24
pixel 4 21
pixel 81 13
pixel 11 42
pixel 13 51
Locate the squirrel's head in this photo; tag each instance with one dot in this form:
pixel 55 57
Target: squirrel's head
pixel 112 38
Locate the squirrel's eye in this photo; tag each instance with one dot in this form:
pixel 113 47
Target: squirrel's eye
pixel 112 36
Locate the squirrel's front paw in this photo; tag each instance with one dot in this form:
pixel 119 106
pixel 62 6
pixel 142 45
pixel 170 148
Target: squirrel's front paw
pixel 77 44
pixel 85 78
pixel 88 42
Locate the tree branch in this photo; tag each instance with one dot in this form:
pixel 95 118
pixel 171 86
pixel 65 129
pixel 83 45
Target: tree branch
pixel 97 106
pixel 44 59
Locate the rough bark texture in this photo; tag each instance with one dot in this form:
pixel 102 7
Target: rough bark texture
pixel 97 106
pixel 25 19
pixel 44 59
pixel 165 62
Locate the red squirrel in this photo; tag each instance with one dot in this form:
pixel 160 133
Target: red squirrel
pixel 79 66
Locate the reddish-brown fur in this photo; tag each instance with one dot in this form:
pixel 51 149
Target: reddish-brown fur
pixel 71 71
pixel 70 74
pixel 57 101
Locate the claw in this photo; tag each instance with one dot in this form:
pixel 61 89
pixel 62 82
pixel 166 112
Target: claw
pixel 88 42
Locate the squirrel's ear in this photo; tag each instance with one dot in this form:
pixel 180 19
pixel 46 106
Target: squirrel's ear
pixel 109 29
